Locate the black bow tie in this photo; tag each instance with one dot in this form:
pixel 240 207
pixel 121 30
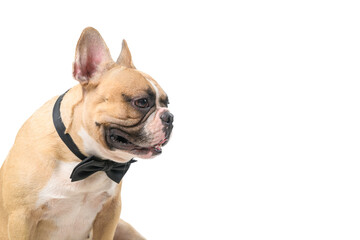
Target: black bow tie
pixel 89 165
pixel 115 171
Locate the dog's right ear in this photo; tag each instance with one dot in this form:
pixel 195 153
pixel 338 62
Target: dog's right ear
pixel 125 58
pixel 92 56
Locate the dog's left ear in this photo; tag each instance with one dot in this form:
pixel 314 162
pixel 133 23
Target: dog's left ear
pixel 92 56
pixel 124 58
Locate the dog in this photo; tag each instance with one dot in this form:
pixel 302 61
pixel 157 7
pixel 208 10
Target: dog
pixel 62 177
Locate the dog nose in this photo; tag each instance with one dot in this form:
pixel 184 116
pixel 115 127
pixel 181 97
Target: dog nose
pixel 167 118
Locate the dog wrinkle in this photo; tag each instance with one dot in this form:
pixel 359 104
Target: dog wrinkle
pixel 154 127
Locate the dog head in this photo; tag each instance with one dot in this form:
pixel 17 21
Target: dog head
pixel 125 111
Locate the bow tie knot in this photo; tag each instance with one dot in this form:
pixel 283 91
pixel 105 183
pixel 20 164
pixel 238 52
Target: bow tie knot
pixel 108 165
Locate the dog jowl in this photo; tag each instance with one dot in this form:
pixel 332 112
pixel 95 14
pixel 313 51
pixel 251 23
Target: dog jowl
pixel 91 133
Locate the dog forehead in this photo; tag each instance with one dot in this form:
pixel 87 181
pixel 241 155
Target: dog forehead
pixel 125 80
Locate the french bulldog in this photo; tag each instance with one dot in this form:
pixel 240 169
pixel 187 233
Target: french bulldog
pixel 48 186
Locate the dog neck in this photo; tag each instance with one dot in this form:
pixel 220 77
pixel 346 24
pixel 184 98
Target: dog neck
pixel 71 110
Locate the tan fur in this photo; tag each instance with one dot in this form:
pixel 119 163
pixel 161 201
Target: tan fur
pixel 32 159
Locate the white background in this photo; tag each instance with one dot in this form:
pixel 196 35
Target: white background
pixel 266 101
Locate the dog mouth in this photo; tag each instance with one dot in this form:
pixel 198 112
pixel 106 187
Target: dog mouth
pixel 118 139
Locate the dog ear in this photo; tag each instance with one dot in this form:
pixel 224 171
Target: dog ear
pixel 92 56
pixel 124 58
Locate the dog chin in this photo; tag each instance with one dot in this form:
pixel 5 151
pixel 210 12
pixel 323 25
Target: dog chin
pixel 144 152
pixel 148 155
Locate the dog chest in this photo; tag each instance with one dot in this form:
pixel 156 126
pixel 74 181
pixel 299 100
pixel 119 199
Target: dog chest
pixel 73 206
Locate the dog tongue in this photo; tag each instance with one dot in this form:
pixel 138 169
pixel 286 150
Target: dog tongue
pixel 158 146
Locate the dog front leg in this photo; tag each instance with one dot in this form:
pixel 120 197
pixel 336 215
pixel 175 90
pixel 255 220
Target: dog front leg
pixel 20 226
pixel 124 231
pixel 107 219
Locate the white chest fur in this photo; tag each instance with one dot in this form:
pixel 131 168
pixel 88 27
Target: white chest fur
pixel 73 206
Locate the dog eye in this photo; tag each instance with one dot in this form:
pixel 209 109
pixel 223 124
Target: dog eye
pixel 142 103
